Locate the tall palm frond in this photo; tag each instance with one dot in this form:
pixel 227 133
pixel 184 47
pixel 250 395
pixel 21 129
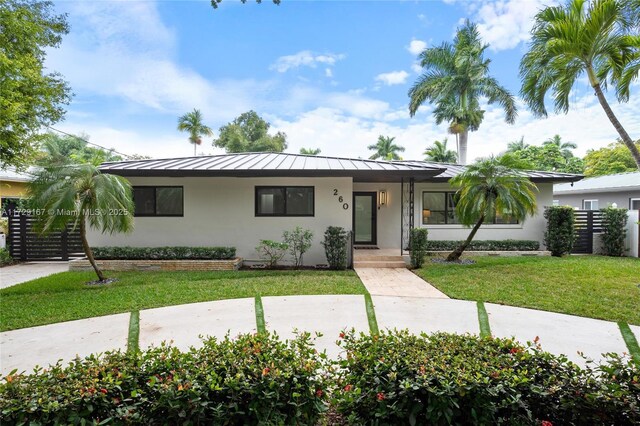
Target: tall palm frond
pixel 192 123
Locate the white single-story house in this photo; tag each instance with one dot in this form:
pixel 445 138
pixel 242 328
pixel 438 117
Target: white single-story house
pixel 239 199
pixel 594 193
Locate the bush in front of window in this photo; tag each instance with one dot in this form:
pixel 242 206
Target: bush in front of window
pixel 164 253
pixel 485 245
pixel 614 224
pixel 560 234
pixel 271 251
pixel 299 242
pixel 418 246
pixel 335 247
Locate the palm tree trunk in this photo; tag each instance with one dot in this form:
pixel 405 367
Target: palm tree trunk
pixel 455 255
pixel 194 149
pixel 626 139
pixel 88 251
pixel 462 149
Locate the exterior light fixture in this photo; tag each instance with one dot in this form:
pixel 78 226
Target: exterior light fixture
pixel 383 197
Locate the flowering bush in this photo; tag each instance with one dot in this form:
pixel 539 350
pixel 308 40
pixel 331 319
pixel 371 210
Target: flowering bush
pixel 254 379
pixel 398 378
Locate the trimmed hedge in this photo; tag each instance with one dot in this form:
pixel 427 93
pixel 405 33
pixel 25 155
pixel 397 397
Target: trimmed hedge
pixel 560 234
pixel 390 378
pixel 614 225
pixel 418 246
pixel 254 379
pixel 398 378
pixel 485 245
pixel 164 253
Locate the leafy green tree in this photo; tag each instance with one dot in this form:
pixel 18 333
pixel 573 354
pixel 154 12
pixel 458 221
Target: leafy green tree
pixel 518 145
pixel 249 133
pixel 439 153
pixel 385 149
pixel 61 150
pixel 581 37
pixel 32 98
pixel 192 123
pixel 566 148
pixel 548 157
pixel 310 151
pixel 488 188
pixel 614 158
pixel 455 77
pixel 78 195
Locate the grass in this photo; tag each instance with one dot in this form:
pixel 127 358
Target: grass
pixel 631 341
pixel 65 296
pixel 483 321
pixel 591 286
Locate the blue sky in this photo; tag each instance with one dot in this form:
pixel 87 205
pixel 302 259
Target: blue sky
pixel 332 75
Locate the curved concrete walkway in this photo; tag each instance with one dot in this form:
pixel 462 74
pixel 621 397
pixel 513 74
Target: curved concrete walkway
pixel 27 271
pixel 329 314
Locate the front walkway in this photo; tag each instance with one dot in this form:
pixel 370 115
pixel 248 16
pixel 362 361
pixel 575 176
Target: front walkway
pixel 330 314
pixel 396 282
pixel 22 272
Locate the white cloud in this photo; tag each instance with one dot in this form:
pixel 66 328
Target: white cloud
pixel 416 47
pixel 304 58
pixel 392 78
pixel 328 72
pixel 416 68
pixel 504 23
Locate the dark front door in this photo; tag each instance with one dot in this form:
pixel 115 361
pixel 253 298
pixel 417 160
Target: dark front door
pixel 364 217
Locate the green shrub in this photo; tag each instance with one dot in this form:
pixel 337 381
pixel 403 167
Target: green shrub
pixel 335 247
pixel 560 234
pixel 4 225
pixel 398 378
pixel 299 242
pixel 614 224
pixel 5 257
pixel 165 253
pixel 272 251
pixel 486 245
pixel 418 246
pixel 254 379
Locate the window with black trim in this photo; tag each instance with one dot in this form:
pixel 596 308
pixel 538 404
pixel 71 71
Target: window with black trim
pixel 439 208
pixel 285 200
pixel 158 200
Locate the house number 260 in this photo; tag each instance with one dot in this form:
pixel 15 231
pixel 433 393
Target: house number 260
pixel 341 199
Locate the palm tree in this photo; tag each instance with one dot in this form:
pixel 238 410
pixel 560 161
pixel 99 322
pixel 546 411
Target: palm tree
pixel 566 148
pixel 488 188
pixel 439 153
pixel 310 151
pixel 591 38
pixel 518 145
pixel 455 77
pixel 386 149
pixel 191 123
pixel 79 195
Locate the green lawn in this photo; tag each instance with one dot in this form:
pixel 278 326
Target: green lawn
pixel 590 286
pixel 64 296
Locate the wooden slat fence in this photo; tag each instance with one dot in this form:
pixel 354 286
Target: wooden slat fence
pixel 588 222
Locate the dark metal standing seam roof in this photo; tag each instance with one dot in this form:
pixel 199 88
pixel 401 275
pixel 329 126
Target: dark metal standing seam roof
pixel 452 170
pixel 274 165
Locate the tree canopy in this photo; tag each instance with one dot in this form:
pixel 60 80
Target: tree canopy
pixel 192 123
pixel 32 98
pixel 385 149
pixel 455 78
pixel 249 133
pixel 439 153
pixel 310 151
pixel 597 39
pixel 553 155
pixel 59 150
pixel 614 158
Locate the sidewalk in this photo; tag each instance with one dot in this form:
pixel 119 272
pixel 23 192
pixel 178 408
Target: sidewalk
pixel 22 272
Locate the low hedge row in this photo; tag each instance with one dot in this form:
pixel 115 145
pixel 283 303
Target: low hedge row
pixel 164 253
pixel 485 245
pixel 391 378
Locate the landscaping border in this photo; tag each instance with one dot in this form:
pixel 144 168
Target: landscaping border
pixel 491 253
pixel 158 265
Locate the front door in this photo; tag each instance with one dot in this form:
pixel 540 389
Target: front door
pixel 364 217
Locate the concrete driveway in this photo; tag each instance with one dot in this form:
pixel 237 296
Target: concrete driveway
pixel 22 272
pixel 184 325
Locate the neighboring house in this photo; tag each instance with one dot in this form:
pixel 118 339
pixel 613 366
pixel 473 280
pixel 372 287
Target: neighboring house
pixel 239 199
pixel 599 192
pixel 13 186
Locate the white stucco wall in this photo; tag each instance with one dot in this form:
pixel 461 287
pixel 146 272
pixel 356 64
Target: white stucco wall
pixel 388 219
pixel 531 229
pixel 221 212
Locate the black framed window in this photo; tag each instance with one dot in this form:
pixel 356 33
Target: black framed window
pixel 285 201
pixel 438 208
pixel 158 200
